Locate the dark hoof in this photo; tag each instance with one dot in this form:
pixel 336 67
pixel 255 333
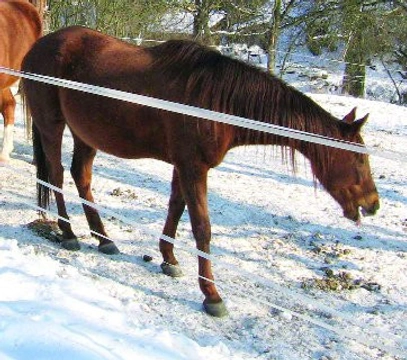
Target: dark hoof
pixel 71 244
pixel 171 270
pixel 216 309
pixel 109 249
pixel 147 258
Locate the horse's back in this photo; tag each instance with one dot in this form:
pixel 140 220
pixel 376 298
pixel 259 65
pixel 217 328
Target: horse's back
pixel 87 56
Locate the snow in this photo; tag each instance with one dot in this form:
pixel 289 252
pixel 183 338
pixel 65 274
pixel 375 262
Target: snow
pixel 50 310
pixel 272 233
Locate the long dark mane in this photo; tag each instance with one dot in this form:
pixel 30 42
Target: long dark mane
pixel 248 92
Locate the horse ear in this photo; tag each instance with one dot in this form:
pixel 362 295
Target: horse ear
pixel 358 124
pixel 350 118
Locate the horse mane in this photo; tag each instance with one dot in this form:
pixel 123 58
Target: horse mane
pixel 224 84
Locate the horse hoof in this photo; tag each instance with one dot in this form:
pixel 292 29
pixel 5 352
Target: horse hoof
pixel 71 244
pixel 109 249
pixel 171 270
pixel 216 309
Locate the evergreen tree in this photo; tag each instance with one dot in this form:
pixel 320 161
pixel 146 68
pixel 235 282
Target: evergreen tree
pixel 368 28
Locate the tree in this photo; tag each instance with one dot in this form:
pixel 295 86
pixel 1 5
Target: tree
pixel 280 19
pixel 364 26
pixel 396 45
pixel 367 28
pixel 358 25
pixel 202 13
pixel 373 30
pixel 273 35
pixel 41 6
pixel 220 19
pixel 123 18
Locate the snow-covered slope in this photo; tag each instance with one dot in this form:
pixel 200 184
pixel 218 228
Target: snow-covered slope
pixel 275 237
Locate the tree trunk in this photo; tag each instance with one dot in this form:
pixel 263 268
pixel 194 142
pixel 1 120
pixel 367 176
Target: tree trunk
pixel 355 22
pixel 273 36
pixel 42 8
pixel 201 22
pixel 355 69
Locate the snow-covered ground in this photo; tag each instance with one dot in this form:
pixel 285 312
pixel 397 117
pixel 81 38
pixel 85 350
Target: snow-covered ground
pixel 275 239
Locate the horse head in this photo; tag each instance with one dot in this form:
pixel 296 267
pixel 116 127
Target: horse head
pixel 348 179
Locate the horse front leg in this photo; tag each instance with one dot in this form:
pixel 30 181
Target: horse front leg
pixel 81 171
pixel 194 187
pixel 7 108
pixel 176 208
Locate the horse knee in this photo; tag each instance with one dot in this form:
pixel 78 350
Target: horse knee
pixel 7 102
pixel 202 235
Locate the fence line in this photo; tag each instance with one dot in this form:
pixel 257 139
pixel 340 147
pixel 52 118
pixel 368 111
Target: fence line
pixel 303 299
pixel 207 114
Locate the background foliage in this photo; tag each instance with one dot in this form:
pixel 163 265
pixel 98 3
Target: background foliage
pixel 367 29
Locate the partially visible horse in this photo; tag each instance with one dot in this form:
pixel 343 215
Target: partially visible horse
pixel 184 72
pixel 20 27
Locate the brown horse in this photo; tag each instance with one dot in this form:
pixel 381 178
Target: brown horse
pixel 20 27
pixel 184 72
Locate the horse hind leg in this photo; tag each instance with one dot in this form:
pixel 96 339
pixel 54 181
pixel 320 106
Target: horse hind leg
pixel 176 208
pixel 47 149
pixel 81 171
pixel 7 108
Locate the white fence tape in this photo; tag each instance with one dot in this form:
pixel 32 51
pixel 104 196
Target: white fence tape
pixel 206 114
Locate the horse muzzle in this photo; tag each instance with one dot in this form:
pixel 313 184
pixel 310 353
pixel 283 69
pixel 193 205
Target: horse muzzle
pixel 365 210
pixel 371 210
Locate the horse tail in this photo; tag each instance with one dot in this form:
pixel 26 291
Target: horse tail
pixel 43 192
pixel 26 112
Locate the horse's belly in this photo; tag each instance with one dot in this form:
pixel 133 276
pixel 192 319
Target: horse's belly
pixel 120 141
